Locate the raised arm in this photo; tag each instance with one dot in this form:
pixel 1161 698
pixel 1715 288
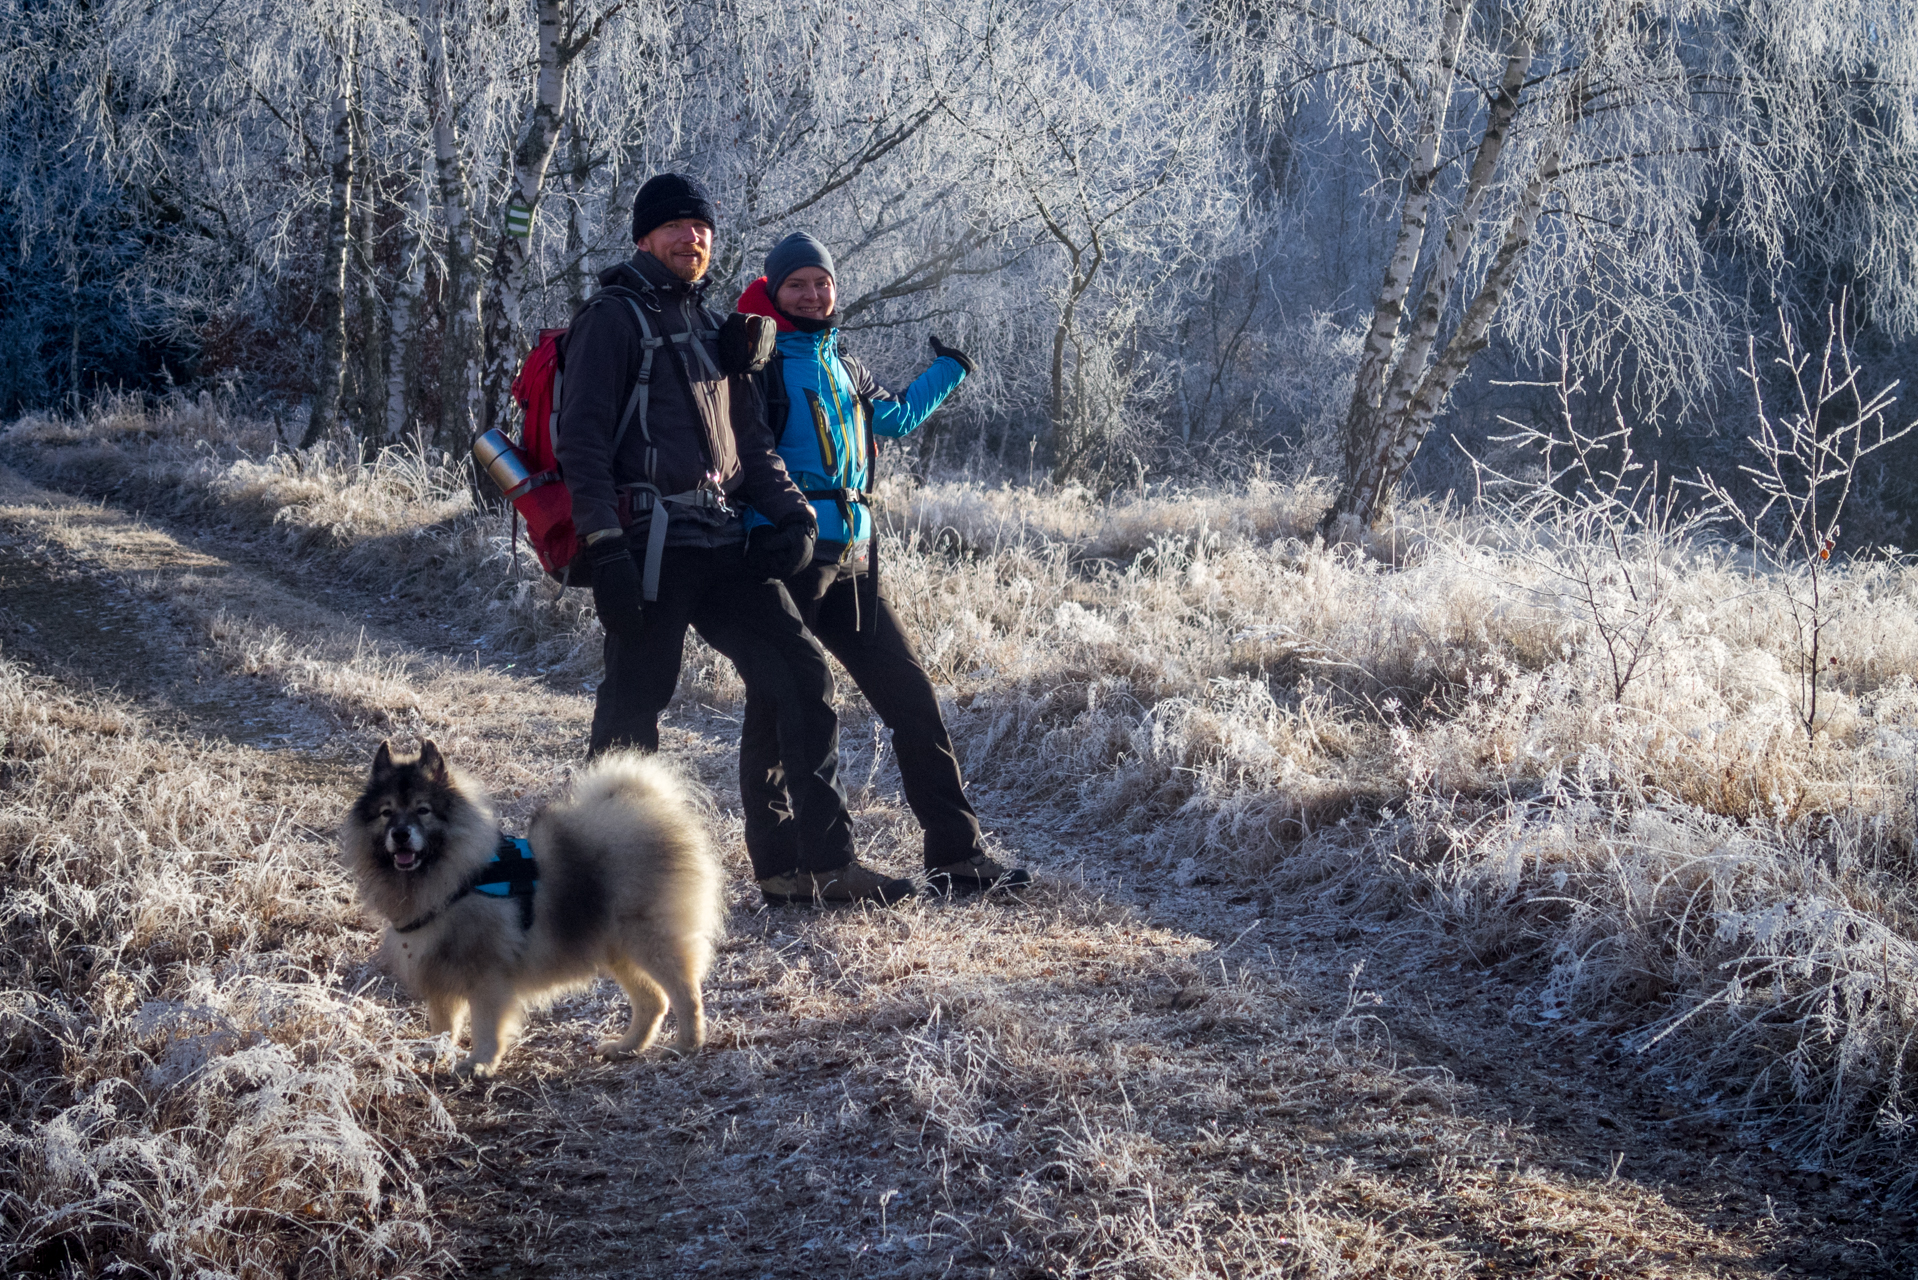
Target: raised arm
pixel 895 415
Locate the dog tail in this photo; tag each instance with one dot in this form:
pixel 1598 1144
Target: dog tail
pixel 647 798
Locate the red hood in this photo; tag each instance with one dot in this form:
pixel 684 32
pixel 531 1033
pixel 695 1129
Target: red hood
pixel 757 302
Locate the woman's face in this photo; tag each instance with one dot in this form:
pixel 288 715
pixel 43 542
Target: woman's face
pixel 807 292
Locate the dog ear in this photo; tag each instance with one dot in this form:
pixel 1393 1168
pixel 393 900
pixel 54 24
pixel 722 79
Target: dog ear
pixel 431 762
pixel 383 761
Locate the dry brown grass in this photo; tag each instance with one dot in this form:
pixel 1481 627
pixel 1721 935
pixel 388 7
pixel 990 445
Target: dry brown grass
pixel 194 1079
pixel 1061 1088
pixel 405 526
pixel 1425 723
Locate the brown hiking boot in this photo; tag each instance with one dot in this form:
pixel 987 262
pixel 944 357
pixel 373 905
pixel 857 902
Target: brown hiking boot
pixel 977 874
pixel 850 883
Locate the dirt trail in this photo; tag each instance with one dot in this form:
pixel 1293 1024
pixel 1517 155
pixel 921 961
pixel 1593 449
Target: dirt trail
pixel 1113 1073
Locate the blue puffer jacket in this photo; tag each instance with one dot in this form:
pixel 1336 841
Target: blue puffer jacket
pixel 832 402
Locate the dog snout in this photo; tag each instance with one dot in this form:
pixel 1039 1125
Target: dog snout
pixel 404 837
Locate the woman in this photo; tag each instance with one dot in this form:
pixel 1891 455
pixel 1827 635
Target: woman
pixel 825 409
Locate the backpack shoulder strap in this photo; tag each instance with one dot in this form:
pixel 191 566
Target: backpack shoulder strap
pixel 700 335
pixel 638 304
pixel 855 371
pixel 778 399
pixel 863 383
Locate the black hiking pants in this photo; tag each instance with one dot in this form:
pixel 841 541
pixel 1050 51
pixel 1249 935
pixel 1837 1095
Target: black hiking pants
pixel 754 624
pixel 882 663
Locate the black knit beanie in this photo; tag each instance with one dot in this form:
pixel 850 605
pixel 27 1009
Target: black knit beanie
pixel 670 196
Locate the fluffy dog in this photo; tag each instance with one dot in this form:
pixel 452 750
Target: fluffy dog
pixel 628 885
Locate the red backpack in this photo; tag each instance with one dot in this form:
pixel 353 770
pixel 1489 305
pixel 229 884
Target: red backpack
pixel 529 472
pixel 543 499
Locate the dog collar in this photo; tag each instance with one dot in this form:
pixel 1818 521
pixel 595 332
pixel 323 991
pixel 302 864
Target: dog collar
pixel 435 913
pixel 512 867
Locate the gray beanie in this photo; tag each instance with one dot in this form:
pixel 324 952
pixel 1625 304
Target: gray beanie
pixel 795 251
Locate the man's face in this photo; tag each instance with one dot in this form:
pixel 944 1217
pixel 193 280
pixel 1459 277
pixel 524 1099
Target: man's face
pixel 807 292
pixel 685 245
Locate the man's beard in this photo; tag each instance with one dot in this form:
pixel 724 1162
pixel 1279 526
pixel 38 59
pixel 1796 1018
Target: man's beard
pixel 677 266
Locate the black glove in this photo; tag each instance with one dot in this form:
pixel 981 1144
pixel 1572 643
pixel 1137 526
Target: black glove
pixel 780 551
pixel 616 585
pixel 941 349
pixel 745 343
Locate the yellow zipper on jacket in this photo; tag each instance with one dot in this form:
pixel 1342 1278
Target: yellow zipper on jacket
pixel 828 440
pixel 839 411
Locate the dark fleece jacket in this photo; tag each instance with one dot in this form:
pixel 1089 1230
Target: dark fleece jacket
pixel 700 425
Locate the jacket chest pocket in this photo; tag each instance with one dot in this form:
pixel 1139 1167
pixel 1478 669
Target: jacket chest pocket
pixel 822 426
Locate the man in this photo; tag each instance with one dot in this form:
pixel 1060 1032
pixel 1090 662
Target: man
pixel 825 411
pixel 658 442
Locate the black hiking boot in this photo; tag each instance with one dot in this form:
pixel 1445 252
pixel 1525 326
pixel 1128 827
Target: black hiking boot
pixel 977 874
pixel 850 883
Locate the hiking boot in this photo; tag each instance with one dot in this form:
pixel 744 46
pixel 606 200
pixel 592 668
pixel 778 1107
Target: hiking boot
pixel 850 883
pixel 977 874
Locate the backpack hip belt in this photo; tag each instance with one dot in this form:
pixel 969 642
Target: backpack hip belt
pixel 637 498
pixel 844 499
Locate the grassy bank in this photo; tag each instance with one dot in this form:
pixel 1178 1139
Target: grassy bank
pixel 193 1078
pixel 1431 727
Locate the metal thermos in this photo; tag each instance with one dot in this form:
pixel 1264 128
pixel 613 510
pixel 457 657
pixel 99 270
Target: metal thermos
pixel 501 459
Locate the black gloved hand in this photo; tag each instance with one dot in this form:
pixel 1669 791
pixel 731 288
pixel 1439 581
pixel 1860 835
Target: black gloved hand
pixel 617 589
pixel 941 349
pixel 780 551
pixel 745 343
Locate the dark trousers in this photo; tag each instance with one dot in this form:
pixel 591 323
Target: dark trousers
pixel 882 663
pixel 754 624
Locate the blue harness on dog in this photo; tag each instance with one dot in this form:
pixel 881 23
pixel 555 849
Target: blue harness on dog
pixel 511 874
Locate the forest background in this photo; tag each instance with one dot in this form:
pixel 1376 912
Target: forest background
pixel 1182 239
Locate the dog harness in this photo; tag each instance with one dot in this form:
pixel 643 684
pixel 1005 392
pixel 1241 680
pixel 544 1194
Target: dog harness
pixel 511 874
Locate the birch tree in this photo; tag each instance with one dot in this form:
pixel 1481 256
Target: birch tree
pixel 1550 161
pixel 341 165
pixel 506 280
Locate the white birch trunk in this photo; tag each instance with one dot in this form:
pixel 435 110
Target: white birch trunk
pixel 1458 234
pixel 1375 359
pixel 506 281
pixel 1417 391
pixel 408 303
pixel 1470 337
pixel 332 283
